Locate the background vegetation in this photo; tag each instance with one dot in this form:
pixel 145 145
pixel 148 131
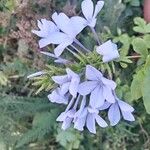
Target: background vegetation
pixel 27 118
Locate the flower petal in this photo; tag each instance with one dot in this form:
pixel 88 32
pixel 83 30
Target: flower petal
pixel 39 33
pixel 125 107
pixel 98 8
pixel 44 42
pixel 49 26
pixel 80 123
pixel 63 23
pixel 96 97
pixel 60 48
pixel 54 38
pixel 86 87
pixel 58 38
pixel 78 24
pixel 61 117
pixel 64 88
pixel 71 113
pixel 82 112
pixel 90 123
pixel 71 74
pixel 56 97
pixel 108 94
pixel 105 48
pixel 67 123
pixel 60 79
pixel 101 122
pixel 92 73
pixel 80 119
pixel 74 84
pixel 105 106
pixel 87 9
pixel 92 23
pixel 128 116
pixel 108 50
pixel 111 57
pixel 46 27
pixel 109 83
pixel 114 114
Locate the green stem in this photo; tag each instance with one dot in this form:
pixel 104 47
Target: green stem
pixel 130 57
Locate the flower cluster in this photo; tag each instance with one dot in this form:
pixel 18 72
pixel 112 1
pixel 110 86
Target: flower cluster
pixel 89 93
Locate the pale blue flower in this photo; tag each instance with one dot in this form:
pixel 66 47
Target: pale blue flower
pixel 87 116
pixel 99 88
pixel 80 116
pixel 68 83
pixel 68 116
pixel 70 28
pixel 118 108
pixel 108 50
pixel 48 32
pixel 89 12
pixel 93 118
pixel 58 97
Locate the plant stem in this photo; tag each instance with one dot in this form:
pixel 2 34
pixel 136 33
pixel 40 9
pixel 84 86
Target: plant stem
pixel 130 57
pixel 78 43
pixel 75 48
pixel 75 54
pixel 99 41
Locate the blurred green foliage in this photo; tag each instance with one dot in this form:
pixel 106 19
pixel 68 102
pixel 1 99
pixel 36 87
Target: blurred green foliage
pixel 28 121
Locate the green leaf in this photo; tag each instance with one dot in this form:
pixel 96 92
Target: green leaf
pixel 123 65
pixel 141 27
pixel 10 4
pixel 140 46
pixel 136 85
pixel 139 21
pixel 147 40
pixel 146 90
pixel 135 3
pixel 69 139
pixel 42 124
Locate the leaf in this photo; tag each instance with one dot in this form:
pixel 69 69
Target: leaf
pixel 123 65
pixel 147 40
pixel 146 90
pixel 135 3
pixel 141 27
pixel 42 124
pixel 140 46
pixel 139 21
pixel 136 85
pixel 10 4
pixel 69 138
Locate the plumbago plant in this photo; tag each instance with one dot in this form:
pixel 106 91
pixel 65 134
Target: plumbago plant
pixel 83 80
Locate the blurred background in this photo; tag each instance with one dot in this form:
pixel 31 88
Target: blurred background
pixel 27 118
